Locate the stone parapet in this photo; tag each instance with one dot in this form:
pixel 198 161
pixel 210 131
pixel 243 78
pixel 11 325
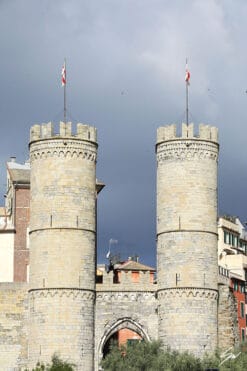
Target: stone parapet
pixel 126 283
pixel 45 131
pixel 188 146
pixel 169 132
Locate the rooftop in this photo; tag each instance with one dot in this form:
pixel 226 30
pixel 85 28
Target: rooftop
pixel 19 172
pixel 133 266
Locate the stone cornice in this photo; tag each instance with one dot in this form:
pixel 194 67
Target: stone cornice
pixel 187 231
pixel 188 149
pixel 52 292
pixel 125 295
pixel 173 292
pixel 62 148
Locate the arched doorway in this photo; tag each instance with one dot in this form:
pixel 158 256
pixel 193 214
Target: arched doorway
pixel 121 337
pixel 107 347
pixel 122 331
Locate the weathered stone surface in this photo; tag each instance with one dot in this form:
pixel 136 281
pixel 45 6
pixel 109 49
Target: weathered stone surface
pixel 187 238
pixel 62 310
pixel 227 318
pixel 62 244
pixel 13 325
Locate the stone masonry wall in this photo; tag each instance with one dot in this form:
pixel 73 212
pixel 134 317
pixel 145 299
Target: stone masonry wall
pixel 21 253
pixel 227 318
pixel 62 243
pixel 13 326
pixel 185 313
pixel 187 269
pixel 62 323
pixel 125 305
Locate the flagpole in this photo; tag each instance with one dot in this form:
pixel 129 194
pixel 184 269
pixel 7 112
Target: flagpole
pixel 64 94
pixel 187 94
pixel 187 103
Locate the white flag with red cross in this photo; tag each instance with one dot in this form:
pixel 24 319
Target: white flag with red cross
pixel 63 74
pixel 187 74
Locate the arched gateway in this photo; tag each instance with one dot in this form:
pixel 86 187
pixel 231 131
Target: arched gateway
pixel 112 331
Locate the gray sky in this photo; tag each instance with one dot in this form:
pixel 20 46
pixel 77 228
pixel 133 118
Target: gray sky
pixel 126 68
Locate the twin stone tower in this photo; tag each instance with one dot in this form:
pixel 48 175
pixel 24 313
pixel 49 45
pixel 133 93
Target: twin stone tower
pixel 62 293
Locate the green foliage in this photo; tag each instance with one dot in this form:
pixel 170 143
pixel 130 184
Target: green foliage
pixel 39 367
pixel 56 365
pixel 149 356
pixel 240 362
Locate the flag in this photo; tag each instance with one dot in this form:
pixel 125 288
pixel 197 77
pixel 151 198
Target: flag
pixel 187 74
pixel 63 74
pixel 111 241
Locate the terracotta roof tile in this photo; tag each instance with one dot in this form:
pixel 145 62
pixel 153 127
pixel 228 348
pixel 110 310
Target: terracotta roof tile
pixel 134 266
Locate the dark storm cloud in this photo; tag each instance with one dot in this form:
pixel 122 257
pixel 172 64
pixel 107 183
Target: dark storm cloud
pixel 126 66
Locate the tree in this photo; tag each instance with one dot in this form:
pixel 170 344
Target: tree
pixel 149 356
pixel 56 365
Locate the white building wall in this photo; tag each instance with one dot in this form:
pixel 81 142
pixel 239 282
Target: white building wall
pixel 6 256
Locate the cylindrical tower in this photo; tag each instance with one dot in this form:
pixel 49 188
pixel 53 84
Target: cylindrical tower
pixel 62 244
pixel 187 237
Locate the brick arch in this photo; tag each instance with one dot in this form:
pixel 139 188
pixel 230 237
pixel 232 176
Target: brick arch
pixel 119 324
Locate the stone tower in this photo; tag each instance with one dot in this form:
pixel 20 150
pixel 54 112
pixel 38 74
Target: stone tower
pixel 62 244
pixel 187 237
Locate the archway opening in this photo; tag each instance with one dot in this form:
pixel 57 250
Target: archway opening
pixel 107 347
pixel 122 337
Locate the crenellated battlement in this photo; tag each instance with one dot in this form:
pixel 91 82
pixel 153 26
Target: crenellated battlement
pixel 46 131
pixel 169 132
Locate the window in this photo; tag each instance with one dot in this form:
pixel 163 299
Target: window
pixel 27 238
pixel 117 277
pixel 243 334
pixel 232 239
pixel 135 277
pixel 242 311
pixel 226 237
pixel 243 246
pixel 99 278
pixel 27 272
pixel 235 286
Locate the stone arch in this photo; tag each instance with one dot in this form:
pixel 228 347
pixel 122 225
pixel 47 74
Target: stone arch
pixel 116 325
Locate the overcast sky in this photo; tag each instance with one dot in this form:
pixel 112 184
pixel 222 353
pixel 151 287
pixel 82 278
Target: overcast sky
pixel 125 75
